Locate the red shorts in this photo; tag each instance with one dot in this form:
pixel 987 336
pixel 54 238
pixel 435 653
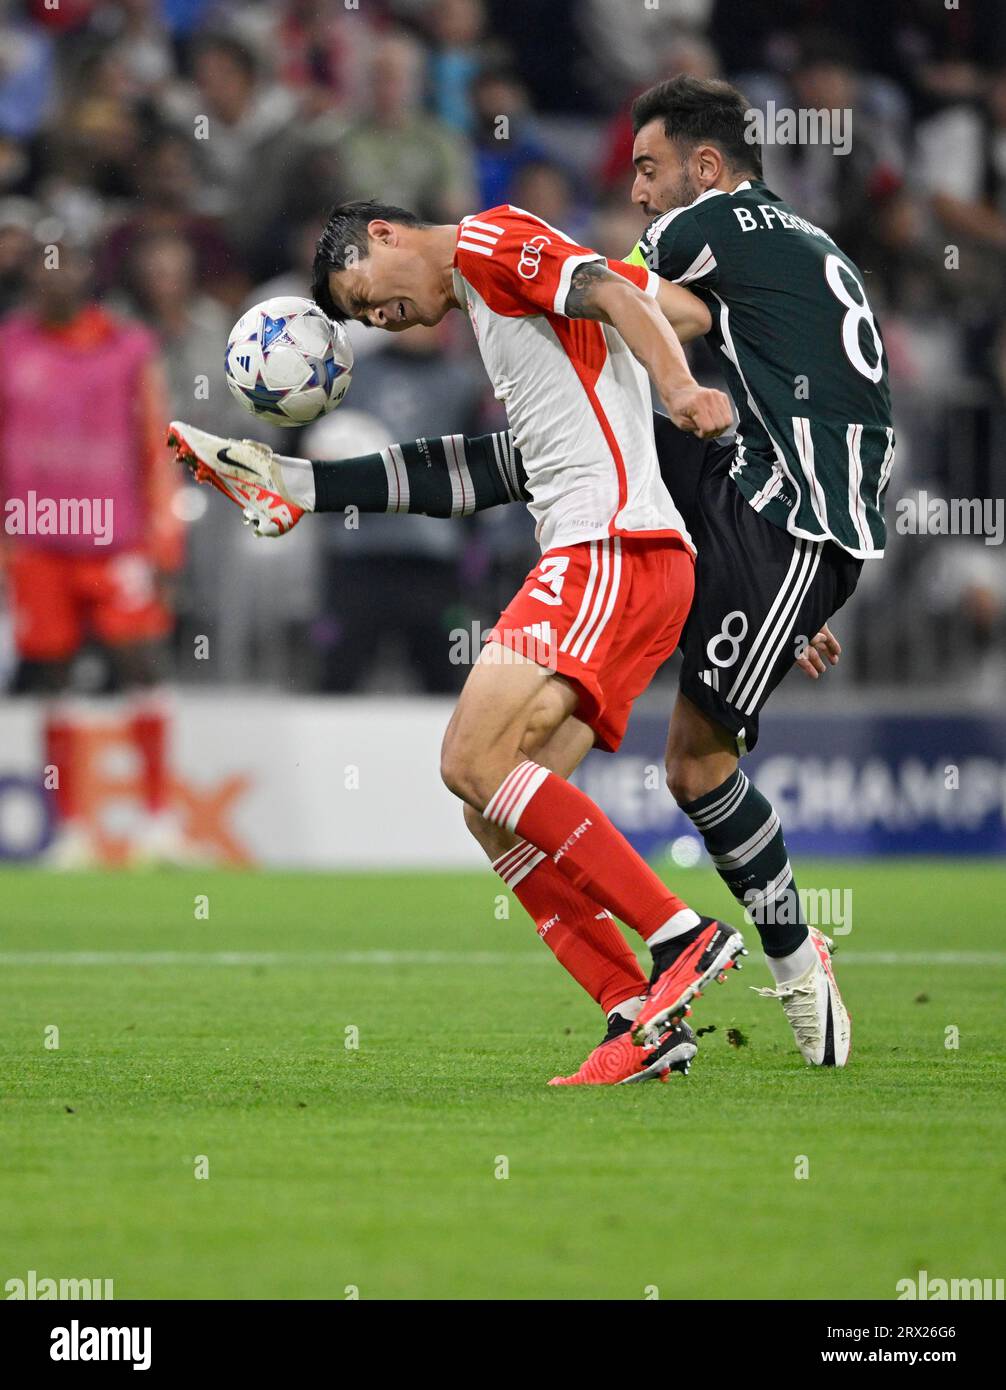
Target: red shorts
pixel 605 615
pixel 59 600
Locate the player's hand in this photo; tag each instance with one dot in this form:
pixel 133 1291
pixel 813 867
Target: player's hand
pixel 700 410
pixel 825 646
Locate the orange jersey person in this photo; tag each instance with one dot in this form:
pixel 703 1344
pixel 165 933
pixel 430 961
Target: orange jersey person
pixel 89 534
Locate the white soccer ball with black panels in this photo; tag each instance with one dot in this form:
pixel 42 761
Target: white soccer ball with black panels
pixel 287 362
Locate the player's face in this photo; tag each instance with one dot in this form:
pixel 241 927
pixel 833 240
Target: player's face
pixel 665 177
pixel 62 290
pixel 393 287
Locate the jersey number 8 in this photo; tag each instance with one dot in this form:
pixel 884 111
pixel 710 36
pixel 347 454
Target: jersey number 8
pixel 859 311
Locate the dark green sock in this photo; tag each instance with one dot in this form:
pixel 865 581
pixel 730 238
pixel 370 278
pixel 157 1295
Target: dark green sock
pixel 744 839
pixel 450 476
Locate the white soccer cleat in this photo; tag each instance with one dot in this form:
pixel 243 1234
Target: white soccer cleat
pixel 815 1010
pixel 242 469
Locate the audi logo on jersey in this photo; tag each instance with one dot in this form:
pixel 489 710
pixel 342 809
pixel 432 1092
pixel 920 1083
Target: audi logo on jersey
pixel 530 257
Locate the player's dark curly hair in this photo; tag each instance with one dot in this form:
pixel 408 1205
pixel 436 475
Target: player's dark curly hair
pixel 344 241
pixel 702 109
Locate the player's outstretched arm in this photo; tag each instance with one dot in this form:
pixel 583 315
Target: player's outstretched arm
pixel 598 293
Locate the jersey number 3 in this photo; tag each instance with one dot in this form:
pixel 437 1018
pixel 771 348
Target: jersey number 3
pixel 552 573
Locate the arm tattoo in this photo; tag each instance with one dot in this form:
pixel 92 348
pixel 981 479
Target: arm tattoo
pixel 580 301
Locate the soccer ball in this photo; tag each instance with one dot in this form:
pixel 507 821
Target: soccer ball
pixel 286 362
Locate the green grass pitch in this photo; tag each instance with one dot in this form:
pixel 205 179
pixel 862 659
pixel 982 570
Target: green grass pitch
pixel 334 1168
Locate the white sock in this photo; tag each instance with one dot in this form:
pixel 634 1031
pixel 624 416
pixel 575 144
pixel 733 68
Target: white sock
pixel 785 968
pixel 298 480
pixel 629 1008
pixel 685 920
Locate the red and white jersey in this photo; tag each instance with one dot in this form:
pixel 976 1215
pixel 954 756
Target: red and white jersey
pixel 577 400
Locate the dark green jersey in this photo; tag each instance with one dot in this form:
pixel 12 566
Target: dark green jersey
pixel 802 354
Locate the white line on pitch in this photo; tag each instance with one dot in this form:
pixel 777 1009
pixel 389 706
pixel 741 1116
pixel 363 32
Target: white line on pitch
pixel 316 958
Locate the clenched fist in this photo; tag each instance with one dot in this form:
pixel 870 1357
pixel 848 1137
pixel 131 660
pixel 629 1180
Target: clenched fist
pixel 700 410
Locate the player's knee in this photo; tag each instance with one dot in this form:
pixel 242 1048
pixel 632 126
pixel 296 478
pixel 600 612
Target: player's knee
pixel 686 778
pixel 460 774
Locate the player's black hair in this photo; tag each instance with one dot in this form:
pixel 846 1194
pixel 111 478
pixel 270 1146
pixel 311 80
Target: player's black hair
pixel 345 238
pixel 699 110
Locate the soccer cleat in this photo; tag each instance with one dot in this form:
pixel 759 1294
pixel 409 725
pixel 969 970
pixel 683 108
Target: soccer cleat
pixel 243 470
pixel 71 848
pixel 618 1062
pixel 814 1007
pixel 680 973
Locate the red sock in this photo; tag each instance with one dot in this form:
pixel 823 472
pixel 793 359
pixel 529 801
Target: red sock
pixel 585 847
pixel 582 935
pixel 60 742
pixel 149 732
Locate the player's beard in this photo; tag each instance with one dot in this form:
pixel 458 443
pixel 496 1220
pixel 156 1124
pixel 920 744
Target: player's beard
pixel 682 192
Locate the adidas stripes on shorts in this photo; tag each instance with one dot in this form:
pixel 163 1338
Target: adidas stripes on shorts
pixel 759 594
pixel 605 615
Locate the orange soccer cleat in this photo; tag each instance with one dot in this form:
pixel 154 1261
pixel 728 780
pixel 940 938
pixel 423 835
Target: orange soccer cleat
pixel 618 1062
pixel 681 970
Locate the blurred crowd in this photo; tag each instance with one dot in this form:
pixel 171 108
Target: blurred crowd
pixel 182 155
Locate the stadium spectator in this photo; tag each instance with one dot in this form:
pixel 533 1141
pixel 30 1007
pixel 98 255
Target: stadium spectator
pixel 504 136
pixel 544 185
pixel 243 123
pixel 829 174
pixel 168 198
pixel 411 158
pixel 617 226
pixel 18 217
pixel 687 53
pixel 325 61
pixel 142 44
pixel 391 582
pixel 963 587
pixel 457 29
pixel 963 152
pixel 98 131
pixel 27 75
pixel 191 327
pixel 631 44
